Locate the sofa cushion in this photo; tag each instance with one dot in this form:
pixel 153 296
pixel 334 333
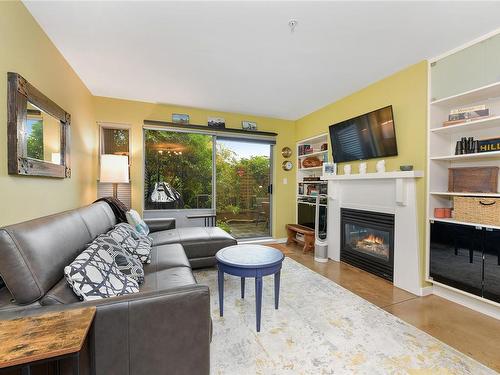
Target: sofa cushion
pixel 124 261
pixel 33 253
pixel 198 242
pixel 61 293
pixel 164 237
pixel 93 275
pixel 166 256
pixel 135 220
pixel 168 278
pixel 138 245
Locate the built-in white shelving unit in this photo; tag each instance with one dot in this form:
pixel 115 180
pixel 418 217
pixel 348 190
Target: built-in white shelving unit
pixel 455 81
pixel 308 191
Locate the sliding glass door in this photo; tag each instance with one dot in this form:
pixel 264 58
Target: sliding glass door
pixel 178 170
pixel 243 187
pixel 206 179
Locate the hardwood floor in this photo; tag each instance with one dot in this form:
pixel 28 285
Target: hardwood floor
pixel 466 330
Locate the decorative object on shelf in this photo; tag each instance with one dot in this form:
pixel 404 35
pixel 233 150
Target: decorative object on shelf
pixel 324 147
pixel 311 162
pixel 466 146
pixel 480 210
pixel 180 118
pixel 329 169
pixel 286 152
pixel 362 168
pixel 287 165
pixel 301 189
pixel 312 190
pixel 467 114
pixel 406 168
pixel 217 122
pixel 488 145
pixel 249 125
pixel 311 178
pixel 442 212
pixel 380 166
pixel 37 130
pixel 305 149
pixel 114 169
pixel 347 169
pixel 473 179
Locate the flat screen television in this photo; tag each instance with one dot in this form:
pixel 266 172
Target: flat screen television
pixel 368 136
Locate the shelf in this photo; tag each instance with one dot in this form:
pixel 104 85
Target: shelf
pixel 453 194
pixel 483 124
pixel 453 221
pixel 469 97
pixel 475 156
pixel 311 168
pixel 312 182
pixel 375 176
pixel 313 153
pixel 316 139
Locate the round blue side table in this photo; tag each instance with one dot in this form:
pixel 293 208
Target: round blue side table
pixel 253 261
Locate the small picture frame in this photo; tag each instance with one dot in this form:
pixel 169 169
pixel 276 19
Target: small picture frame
pixel 329 169
pixel 217 122
pixel 249 125
pixel 180 118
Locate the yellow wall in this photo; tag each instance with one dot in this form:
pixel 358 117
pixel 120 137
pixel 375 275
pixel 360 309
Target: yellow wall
pixel 51 136
pixel 134 113
pixel 406 91
pixel 25 49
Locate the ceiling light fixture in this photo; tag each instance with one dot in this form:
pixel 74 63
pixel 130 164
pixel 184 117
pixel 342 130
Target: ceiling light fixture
pixel 292 24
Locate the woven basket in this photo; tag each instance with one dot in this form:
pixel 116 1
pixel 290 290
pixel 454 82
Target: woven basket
pixel 481 210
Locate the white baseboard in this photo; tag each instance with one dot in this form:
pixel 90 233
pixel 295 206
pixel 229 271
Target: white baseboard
pixel 426 291
pixel 467 301
pixel 280 240
pixel 263 240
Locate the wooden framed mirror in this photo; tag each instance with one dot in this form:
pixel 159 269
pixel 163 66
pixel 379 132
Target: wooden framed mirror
pixel 38 132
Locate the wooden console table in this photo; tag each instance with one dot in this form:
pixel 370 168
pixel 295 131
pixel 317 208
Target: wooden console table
pixel 293 229
pixel 44 338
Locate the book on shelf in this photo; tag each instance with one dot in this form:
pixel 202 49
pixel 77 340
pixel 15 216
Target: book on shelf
pixel 469 115
pixel 463 121
pixel 468 109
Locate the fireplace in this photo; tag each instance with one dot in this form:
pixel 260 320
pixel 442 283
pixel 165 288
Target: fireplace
pixel 367 241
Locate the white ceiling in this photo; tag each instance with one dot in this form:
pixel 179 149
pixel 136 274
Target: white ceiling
pixel 242 57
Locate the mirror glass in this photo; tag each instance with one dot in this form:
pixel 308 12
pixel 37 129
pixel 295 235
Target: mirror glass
pixel 42 135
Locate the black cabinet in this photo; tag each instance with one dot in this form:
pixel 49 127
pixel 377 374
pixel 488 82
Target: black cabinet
pixel 466 257
pixel 456 256
pixel 491 248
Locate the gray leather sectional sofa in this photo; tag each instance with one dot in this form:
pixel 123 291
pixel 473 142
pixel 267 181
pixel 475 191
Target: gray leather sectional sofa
pixel 163 329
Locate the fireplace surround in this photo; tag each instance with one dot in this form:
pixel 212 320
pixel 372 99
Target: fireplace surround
pixel 367 241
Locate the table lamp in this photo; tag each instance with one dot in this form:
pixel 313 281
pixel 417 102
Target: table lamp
pixel 114 169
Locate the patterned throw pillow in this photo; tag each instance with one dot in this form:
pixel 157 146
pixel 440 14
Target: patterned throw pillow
pixel 93 275
pixel 135 220
pixel 137 245
pixel 125 261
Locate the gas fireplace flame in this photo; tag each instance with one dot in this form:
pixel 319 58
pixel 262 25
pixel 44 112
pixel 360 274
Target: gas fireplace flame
pixel 374 239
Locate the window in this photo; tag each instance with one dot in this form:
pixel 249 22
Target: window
pixel 178 170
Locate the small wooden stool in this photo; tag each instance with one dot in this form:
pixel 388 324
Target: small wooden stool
pixel 293 229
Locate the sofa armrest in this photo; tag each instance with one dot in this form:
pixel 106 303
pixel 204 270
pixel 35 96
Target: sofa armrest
pixel 148 333
pixel 156 225
pixel 167 331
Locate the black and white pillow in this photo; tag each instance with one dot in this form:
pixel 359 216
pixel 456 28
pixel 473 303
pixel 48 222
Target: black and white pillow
pixel 93 275
pixel 126 262
pixel 136 244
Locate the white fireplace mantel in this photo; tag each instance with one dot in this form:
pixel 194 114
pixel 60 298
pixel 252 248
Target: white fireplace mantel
pixel 388 192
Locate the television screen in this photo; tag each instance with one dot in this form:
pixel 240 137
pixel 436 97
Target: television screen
pixel 368 136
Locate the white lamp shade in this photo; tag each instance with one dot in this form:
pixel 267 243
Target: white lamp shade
pixel 114 169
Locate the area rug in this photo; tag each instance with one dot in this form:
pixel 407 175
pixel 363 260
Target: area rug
pixel 320 328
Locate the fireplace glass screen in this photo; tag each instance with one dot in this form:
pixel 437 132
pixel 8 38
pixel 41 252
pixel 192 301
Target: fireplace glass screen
pixel 367 240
